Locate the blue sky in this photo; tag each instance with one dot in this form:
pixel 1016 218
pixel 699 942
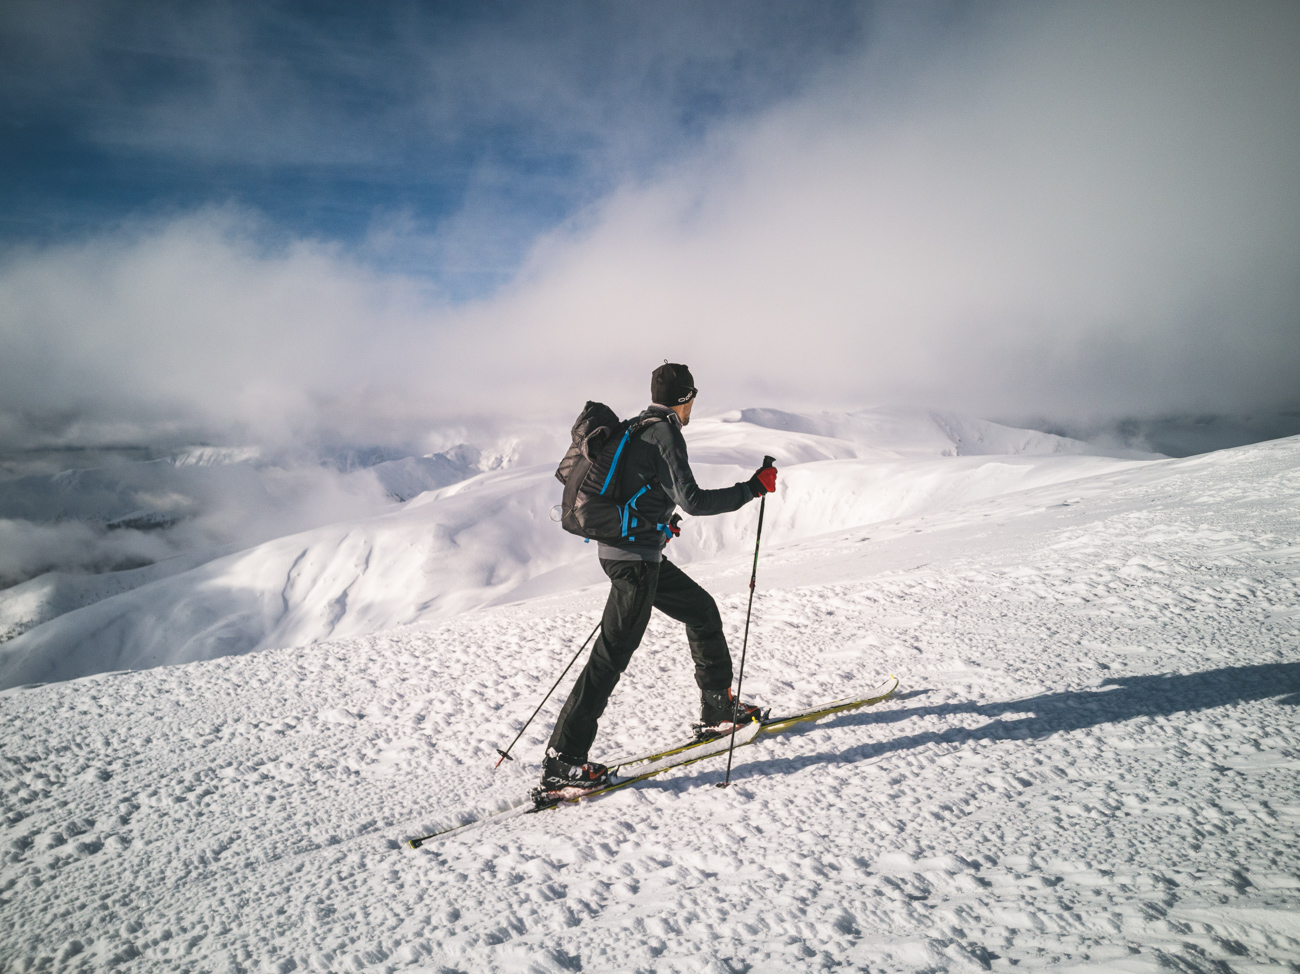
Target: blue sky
pixel 330 119
pixel 394 224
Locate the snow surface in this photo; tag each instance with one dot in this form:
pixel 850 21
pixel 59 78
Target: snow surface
pixel 490 539
pixel 1092 765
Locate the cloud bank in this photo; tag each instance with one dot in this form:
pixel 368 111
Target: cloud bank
pixel 28 550
pixel 1053 210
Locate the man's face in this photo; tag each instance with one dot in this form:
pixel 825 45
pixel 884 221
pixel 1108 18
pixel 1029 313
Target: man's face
pixel 684 412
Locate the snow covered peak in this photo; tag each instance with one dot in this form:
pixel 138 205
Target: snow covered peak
pixel 477 536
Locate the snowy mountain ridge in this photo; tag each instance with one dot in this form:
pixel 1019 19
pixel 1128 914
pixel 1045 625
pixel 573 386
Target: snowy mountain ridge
pixel 489 538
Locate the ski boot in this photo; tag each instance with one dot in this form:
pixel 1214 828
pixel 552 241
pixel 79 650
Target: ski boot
pixel 718 709
pixel 564 779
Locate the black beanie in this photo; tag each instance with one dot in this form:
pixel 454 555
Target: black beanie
pixel 671 385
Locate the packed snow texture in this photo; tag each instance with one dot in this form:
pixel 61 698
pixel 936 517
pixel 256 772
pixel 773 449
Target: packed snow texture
pixel 491 539
pixel 1093 763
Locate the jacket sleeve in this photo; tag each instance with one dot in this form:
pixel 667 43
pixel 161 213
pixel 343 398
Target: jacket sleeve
pixel 673 470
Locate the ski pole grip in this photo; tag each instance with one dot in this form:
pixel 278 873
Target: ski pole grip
pixel 768 461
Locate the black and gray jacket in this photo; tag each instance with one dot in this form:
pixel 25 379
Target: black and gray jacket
pixel 655 478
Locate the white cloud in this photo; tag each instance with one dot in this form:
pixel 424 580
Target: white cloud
pixel 1078 212
pixel 1069 210
pixel 28 549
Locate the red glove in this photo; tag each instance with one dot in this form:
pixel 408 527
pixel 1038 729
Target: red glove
pixel 763 481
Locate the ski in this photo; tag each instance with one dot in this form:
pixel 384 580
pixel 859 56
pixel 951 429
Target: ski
pixel 663 752
pixel 774 725
pixel 884 691
pixel 677 756
pixel 706 749
pixel 525 806
pixel 535 803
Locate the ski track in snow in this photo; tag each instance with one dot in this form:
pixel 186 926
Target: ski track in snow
pixel 1092 763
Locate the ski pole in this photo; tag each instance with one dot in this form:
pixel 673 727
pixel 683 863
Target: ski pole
pixel 753 575
pixel 505 755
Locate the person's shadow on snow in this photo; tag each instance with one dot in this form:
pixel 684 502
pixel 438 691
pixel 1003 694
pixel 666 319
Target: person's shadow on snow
pixel 1113 701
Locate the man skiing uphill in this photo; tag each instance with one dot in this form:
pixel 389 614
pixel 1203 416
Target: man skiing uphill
pixel 654 476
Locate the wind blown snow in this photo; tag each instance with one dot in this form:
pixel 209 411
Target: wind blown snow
pixel 1092 763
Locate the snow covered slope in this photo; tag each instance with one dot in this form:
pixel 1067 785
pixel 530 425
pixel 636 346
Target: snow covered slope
pixel 1094 764
pixel 490 539
pixel 28 604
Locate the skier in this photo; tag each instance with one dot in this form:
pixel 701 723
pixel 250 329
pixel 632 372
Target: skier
pixel 641 578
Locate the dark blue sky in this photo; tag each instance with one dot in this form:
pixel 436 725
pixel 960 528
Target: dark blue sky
pixel 328 119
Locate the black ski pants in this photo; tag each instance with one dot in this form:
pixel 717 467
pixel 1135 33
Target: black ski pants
pixel 638 586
